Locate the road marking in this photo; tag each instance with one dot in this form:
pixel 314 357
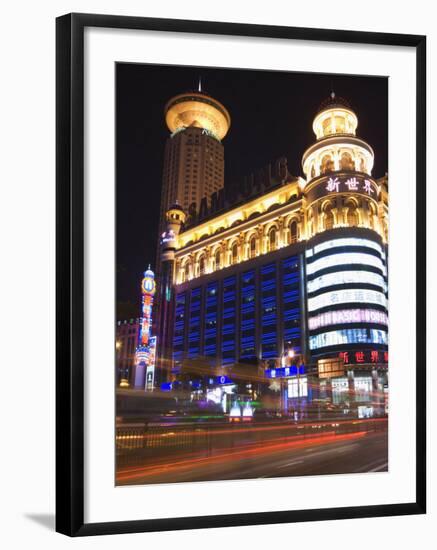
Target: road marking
pixel 290 464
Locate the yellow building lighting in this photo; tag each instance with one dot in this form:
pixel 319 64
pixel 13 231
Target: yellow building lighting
pixel 197 109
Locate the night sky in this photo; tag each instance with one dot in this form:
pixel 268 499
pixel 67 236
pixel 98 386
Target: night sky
pixel 271 116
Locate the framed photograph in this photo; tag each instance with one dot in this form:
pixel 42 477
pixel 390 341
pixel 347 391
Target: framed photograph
pixel 240 274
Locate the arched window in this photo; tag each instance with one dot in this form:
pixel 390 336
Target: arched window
pixel 234 253
pixel 293 232
pixel 182 276
pixel 346 162
pixel 327 165
pixel 217 259
pixel 352 216
pixel 272 239
pixel 329 217
pixel 187 271
pixel 313 171
pixel 201 265
pixel 252 247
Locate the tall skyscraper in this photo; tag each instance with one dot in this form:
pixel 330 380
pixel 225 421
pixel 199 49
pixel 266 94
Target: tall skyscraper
pixel 194 154
pixel 194 163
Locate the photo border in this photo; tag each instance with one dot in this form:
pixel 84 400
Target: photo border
pixel 70 273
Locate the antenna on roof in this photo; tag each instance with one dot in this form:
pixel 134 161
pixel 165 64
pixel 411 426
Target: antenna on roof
pixel 200 83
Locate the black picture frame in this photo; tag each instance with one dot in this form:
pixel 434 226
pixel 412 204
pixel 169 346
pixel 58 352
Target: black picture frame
pixel 70 273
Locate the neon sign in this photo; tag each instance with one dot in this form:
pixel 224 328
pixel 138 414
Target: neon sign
pixel 145 351
pixel 338 297
pixel 349 336
pixel 148 288
pixel 168 237
pixel 352 184
pixel 363 356
pixel 347 316
pixel 285 372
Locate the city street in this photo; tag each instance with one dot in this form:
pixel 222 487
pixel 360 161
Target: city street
pixel 330 452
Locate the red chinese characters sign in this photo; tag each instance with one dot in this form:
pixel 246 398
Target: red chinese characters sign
pixel 364 357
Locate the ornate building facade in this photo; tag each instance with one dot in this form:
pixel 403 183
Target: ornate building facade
pixel 291 265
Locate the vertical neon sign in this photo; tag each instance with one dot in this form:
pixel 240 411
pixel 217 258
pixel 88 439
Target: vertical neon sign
pixel 146 343
pixel 148 288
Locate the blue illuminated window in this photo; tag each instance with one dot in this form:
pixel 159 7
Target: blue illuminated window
pixel 229 320
pixel 247 311
pixel 194 325
pixel 291 306
pixel 211 317
pixel 269 344
pixel 179 327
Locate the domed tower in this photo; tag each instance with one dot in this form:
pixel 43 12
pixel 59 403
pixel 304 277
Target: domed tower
pixel 197 110
pixel 346 269
pixel 194 153
pixel 194 165
pixel 339 187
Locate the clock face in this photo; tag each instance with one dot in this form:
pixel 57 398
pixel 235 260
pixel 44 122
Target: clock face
pixel 149 285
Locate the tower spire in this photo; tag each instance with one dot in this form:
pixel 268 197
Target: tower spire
pixel 200 83
pixel 332 90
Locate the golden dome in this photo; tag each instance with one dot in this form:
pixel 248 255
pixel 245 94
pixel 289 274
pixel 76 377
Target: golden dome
pixel 196 109
pixel 335 116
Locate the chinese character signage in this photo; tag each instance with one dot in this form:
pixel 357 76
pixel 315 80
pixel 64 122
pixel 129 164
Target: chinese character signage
pixel 364 357
pixel 336 185
pixel 285 372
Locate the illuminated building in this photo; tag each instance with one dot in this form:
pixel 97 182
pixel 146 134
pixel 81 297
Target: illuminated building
pixel 194 154
pixel 193 171
pixel 144 355
pixel 291 263
pixel 126 340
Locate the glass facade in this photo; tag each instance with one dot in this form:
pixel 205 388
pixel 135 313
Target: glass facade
pixel 253 315
pixel 342 273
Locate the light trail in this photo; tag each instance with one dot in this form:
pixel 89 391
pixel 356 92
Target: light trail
pixel 315 424
pixel 230 455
